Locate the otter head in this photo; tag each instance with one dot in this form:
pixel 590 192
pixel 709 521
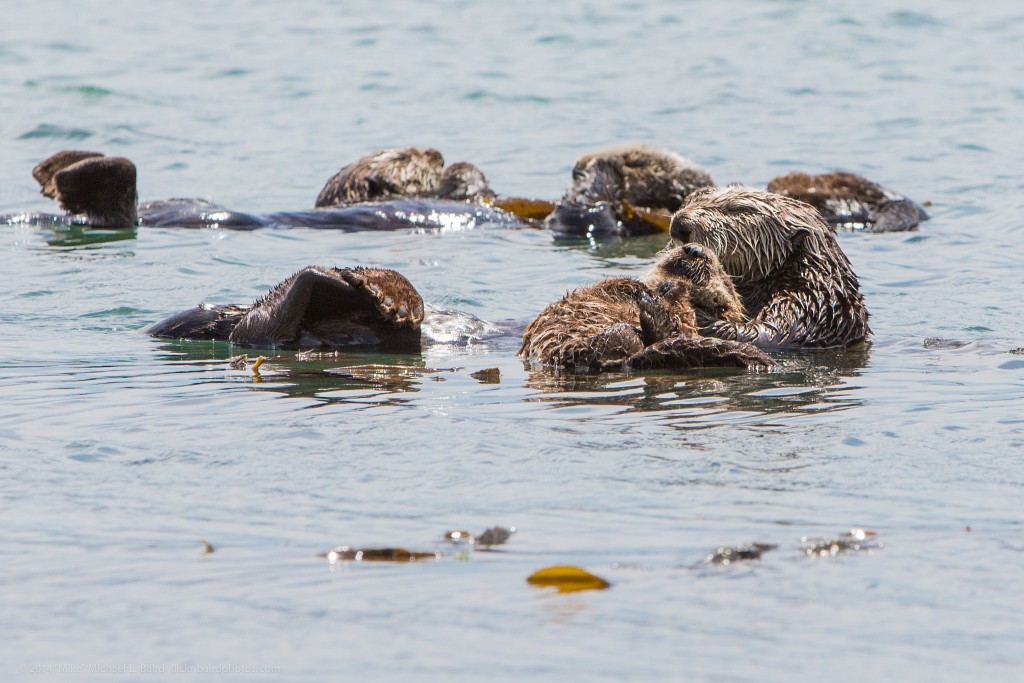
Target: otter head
pixel 88 183
pixel 696 272
pixel 639 174
pixel 463 180
pixel 580 219
pixel 753 232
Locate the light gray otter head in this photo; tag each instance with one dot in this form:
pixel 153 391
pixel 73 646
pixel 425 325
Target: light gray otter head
pixel 639 175
pixel 753 232
pixel 387 174
pixel 87 183
pixel 463 181
pixel 693 272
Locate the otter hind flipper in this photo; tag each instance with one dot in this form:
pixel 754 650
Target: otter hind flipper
pixel 687 351
pixel 332 307
pixel 46 169
pixel 102 188
pixel 391 295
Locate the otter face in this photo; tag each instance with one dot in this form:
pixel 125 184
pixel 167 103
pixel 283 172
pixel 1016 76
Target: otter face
pixel 752 232
pixel 579 219
pixel 691 262
pixel 463 180
pixel 712 294
pixel 595 179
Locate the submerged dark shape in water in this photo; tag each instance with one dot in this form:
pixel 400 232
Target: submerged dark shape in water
pixel 101 191
pixel 726 555
pixel 797 286
pixel 622 323
pixel 847 200
pixel 615 190
pixel 314 308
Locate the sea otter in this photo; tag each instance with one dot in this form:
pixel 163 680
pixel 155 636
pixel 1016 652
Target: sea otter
pixel 797 286
pixel 608 183
pixel 847 200
pixel 314 308
pixel 100 191
pixel 403 172
pixel 623 323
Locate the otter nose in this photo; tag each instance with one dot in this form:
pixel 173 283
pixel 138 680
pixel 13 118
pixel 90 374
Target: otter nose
pixel 679 231
pixel 693 250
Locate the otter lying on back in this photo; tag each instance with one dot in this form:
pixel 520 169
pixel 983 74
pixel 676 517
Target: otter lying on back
pixel 314 308
pixel 849 200
pixel 623 323
pixel 102 191
pixel 637 175
pixel 798 287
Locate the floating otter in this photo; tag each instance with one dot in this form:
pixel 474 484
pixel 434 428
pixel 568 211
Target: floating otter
pixel 797 286
pixel 320 308
pixel 608 183
pixel 101 192
pixel 623 323
pixel 403 172
pixel 851 201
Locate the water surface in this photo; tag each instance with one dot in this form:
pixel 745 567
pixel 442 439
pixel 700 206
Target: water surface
pixel 119 452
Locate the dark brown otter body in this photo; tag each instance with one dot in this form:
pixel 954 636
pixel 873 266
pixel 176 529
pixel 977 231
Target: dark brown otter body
pixel 623 323
pixel 851 201
pixel 403 172
pixel 634 175
pixel 314 308
pixel 798 287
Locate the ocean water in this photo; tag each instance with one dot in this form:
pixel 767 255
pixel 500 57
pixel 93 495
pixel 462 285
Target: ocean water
pixel 118 452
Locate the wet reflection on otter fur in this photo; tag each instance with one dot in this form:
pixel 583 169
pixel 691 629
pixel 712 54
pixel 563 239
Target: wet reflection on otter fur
pixel 817 381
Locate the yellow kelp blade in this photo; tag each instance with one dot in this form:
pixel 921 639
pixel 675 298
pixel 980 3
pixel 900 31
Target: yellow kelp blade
pixel 567 579
pixel 659 219
pixel 530 209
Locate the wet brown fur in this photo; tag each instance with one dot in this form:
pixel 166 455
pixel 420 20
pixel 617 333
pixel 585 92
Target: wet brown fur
pixel 315 307
pixel 849 199
pixel 403 172
pixel 621 322
pixel 798 287
pixel 638 174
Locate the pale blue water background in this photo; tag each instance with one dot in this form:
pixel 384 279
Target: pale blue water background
pixel 119 452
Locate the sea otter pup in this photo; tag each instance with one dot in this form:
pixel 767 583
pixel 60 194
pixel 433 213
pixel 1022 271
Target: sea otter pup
pixel 851 201
pixel 314 308
pixel 623 323
pixel 797 286
pixel 403 172
pixel 607 183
